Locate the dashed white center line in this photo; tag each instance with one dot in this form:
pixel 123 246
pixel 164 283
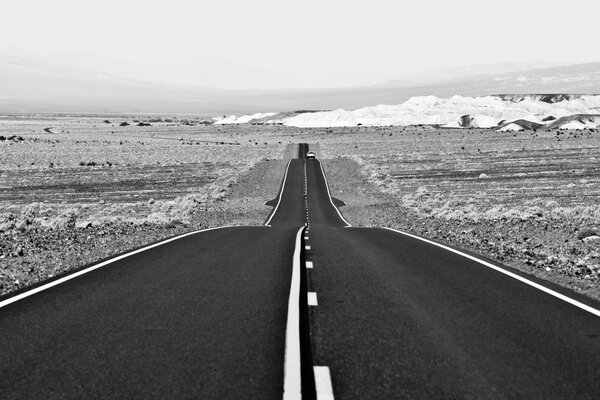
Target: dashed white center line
pixel 307 247
pixel 323 383
pixel 292 377
pixel 312 299
pixel 309 264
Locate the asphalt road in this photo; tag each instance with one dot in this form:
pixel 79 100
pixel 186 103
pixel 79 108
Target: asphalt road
pixel 399 318
pixel 201 317
pixel 205 317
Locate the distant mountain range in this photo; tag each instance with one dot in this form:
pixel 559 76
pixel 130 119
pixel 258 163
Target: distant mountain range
pixel 84 83
pixel 203 72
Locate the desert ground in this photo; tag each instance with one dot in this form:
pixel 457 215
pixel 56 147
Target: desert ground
pixel 75 190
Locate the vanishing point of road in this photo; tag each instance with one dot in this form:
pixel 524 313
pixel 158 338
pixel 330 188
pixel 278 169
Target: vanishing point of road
pixel 303 307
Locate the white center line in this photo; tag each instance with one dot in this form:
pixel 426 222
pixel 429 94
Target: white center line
pixel 323 383
pixel 292 381
pixel 309 264
pixel 312 298
pixel 307 247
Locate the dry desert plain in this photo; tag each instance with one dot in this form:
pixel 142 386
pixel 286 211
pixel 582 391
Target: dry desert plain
pixel 88 188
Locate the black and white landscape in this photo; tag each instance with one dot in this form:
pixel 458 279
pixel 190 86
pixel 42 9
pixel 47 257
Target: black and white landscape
pixel 299 200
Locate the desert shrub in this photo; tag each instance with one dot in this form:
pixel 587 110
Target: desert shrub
pixel 71 219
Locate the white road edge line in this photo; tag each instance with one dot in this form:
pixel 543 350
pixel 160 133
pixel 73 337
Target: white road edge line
pixel 292 380
pixel 280 194
pixel 329 195
pixel 508 273
pixel 323 383
pixel 99 265
pixel 311 298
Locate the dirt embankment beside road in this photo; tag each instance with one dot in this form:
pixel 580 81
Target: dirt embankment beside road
pixel 534 209
pixel 33 249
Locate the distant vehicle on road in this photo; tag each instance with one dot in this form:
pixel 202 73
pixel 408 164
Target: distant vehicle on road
pixel 310 154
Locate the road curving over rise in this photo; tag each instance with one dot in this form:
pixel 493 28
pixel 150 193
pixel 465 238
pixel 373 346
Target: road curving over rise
pixel 306 301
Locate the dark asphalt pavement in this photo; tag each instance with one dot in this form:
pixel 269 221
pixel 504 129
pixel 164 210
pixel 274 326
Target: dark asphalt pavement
pixel 204 317
pixel 399 318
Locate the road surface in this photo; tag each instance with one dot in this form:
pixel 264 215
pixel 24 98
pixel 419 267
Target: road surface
pixel 209 315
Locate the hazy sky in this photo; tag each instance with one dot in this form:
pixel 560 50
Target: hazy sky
pixel 317 42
